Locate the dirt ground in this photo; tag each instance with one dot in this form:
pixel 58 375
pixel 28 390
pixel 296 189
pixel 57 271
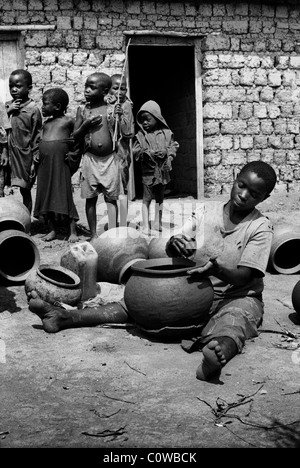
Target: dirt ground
pixel 116 388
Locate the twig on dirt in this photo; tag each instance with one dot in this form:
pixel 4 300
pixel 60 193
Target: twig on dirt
pixel 106 416
pixel 117 399
pixel 292 393
pixel 223 407
pixel 289 306
pixel 106 433
pixel 136 370
pixel 286 333
pixel 4 433
pixel 286 330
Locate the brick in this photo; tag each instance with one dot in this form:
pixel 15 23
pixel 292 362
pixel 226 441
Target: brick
pixel 217 111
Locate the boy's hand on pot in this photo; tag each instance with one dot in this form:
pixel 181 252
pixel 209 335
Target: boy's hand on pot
pixel 181 246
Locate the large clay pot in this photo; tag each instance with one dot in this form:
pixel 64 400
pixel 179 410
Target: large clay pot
pixel 296 298
pixel 14 215
pixel 164 300
pixel 54 283
pixel 117 249
pixel 285 250
pixel 19 255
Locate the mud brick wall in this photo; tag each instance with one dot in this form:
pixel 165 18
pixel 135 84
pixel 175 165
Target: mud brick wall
pixel 250 61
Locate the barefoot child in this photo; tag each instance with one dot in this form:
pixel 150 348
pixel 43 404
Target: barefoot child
pixel 121 106
pixel 54 185
pixel 100 171
pixel 155 147
pixel 237 272
pixel 26 123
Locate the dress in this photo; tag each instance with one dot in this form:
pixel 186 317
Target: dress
pixel 23 142
pixel 54 184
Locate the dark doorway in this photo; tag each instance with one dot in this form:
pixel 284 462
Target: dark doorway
pixel 166 74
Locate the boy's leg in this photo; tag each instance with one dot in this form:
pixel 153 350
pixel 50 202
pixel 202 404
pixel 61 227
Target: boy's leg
pixel 90 211
pixel 52 232
pixel 225 334
pixel 27 199
pixel 112 213
pixel 73 232
pixel 56 318
pixel 123 199
pixel 147 198
pixel 159 191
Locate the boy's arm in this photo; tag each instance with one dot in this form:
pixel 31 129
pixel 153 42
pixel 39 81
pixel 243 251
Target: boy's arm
pixel 126 119
pixel 36 127
pixel 172 147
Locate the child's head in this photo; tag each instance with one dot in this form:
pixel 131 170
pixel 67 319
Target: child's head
pixel 20 84
pixel 148 121
pixel 253 185
pixel 55 102
pixel 118 86
pixel 96 86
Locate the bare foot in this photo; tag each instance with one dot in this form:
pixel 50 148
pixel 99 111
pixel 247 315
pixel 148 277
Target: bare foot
pixel 73 238
pixel 54 318
pixel 215 355
pixel 50 237
pixel 94 237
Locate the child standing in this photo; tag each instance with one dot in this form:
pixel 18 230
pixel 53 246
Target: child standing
pixel 121 106
pixel 155 147
pixel 100 170
pixel 4 128
pixel 26 123
pixel 54 186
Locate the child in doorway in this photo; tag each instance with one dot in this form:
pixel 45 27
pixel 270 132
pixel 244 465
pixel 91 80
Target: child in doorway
pixel 100 170
pixel 26 123
pixel 155 147
pixel 4 128
pixel 54 185
pixel 121 106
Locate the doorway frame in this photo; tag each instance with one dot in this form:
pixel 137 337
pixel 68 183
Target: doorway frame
pixel 157 39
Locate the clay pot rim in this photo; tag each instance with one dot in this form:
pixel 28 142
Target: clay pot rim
pixel 144 266
pixel 61 269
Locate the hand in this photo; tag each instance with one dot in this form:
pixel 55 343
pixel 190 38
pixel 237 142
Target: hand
pixel 95 120
pixel 181 246
pixel 4 160
pixel 118 109
pixel 14 106
pixel 210 268
pixel 160 154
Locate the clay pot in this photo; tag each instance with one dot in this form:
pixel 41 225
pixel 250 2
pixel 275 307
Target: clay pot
pixel 54 283
pixel 296 298
pixel 285 250
pixel 157 247
pixel 19 255
pixel 14 215
pixel 164 300
pixel 117 249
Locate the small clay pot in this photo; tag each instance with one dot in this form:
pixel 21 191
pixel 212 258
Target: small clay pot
pixel 54 283
pixel 164 300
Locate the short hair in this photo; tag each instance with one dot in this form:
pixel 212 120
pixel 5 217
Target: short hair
pixel 118 76
pixel 262 170
pixel 25 74
pixel 58 96
pixel 106 79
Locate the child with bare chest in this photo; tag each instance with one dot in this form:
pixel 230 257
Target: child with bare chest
pixel 100 171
